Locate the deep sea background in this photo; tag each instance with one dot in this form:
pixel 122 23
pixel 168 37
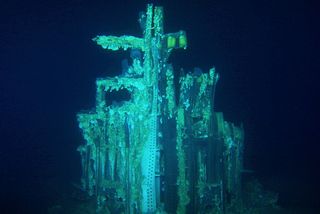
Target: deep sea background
pixel 267 54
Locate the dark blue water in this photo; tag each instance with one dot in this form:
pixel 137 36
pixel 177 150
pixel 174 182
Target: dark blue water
pixel 265 51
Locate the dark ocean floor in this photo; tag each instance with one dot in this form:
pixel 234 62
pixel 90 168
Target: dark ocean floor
pixel 60 197
pixel 257 201
pixel 74 207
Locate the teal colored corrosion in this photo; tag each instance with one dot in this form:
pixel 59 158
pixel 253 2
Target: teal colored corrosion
pixel 182 182
pixel 170 92
pixel 117 156
pixel 115 43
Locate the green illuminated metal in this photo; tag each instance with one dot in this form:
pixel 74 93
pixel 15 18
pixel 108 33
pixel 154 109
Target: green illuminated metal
pixel 155 153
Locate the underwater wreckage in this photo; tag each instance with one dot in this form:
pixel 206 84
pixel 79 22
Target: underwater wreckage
pixel 164 150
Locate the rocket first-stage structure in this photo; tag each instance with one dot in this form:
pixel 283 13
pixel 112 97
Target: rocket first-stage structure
pixel 163 149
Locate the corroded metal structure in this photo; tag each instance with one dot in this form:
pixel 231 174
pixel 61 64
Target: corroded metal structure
pixel 164 149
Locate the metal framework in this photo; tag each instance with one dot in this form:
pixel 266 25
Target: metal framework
pixel 164 149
